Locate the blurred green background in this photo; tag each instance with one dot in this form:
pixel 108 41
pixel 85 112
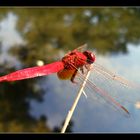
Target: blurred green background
pixel 47 34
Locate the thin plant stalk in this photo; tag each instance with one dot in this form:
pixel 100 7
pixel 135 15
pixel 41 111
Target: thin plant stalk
pixel 71 111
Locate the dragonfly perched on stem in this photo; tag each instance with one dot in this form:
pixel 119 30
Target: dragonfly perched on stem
pixel 72 64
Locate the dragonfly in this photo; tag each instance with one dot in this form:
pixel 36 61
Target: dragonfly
pixel 72 64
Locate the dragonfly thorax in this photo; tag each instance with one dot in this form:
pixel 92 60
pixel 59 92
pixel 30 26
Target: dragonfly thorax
pixel 74 60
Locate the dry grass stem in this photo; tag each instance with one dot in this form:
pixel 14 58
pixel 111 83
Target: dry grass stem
pixel 71 111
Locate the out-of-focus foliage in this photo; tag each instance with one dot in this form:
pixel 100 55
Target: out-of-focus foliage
pixel 47 30
pixel 47 33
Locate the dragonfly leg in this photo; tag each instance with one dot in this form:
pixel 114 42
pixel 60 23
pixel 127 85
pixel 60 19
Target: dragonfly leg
pixel 82 70
pixel 73 76
pixel 87 67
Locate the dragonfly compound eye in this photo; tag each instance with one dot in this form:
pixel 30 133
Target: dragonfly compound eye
pixel 90 57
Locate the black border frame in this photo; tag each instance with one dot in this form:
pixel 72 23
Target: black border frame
pixel 69 3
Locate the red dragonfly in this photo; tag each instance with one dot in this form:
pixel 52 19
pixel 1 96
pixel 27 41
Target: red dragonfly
pixel 67 68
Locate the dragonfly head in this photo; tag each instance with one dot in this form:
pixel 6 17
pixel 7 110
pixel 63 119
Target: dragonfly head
pixel 90 57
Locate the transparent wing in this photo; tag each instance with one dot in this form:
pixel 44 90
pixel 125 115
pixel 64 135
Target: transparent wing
pixel 110 75
pixel 81 48
pixel 105 90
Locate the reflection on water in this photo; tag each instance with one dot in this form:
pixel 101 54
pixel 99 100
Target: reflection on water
pixel 90 115
pixel 9 37
pixel 137 105
pixel 60 97
pixel 40 63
